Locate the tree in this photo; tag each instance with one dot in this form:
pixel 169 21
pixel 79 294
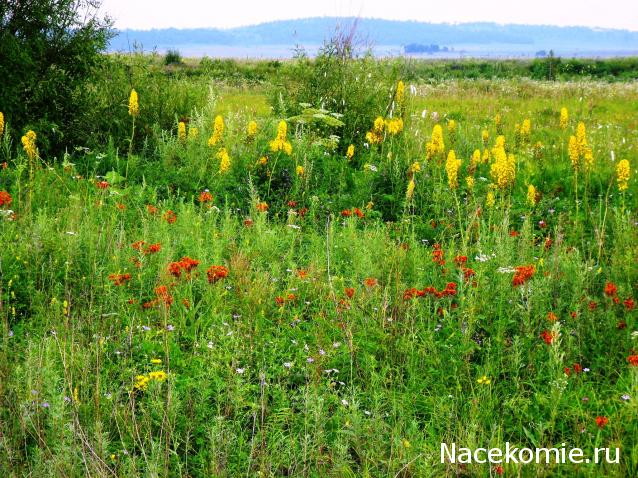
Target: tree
pixel 49 50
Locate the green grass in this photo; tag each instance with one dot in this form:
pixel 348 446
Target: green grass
pixel 297 363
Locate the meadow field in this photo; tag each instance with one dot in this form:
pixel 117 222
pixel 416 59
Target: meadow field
pixel 234 272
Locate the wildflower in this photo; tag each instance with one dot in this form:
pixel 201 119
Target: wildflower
pixel 280 143
pixel 193 133
pixel 601 421
pixel 349 291
pixel 610 289
pixel 375 135
pixel 251 129
pixel 484 380
pixel 29 146
pixel 358 212
pixel 158 376
pixel 350 152
pixel 469 181
pixel 522 275
pixel 451 129
pixel 622 175
pixel 262 207
pixel 151 209
pixel 1 123
pixel 526 128
pixel 205 196
pixel 262 161
pixel 415 167
pixel 573 152
pixel 181 131
pixel 141 382
pixel 485 136
pixel 300 170
pixel 485 158
pixel 476 159
pixel 370 282
pixel 633 360
pixel 218 131
pixel 548 337
pixel 564 118
pixel 498 122
pixel 588 158
pixel 5 198
pixel 503 169
pixel 629 303
pixel 581 138
pixel 394 126
pixel 102 185
pixel 452 168
pixel 531 195
pixel 224 160
pixel 133 104
pixel 162 294
pixel 551 316
pixel 170 217
pixel 399 96
pixel 410 190
pixel 216 273
pixel 625 397
pixel 436 145
pixel 490 200
pixel 156 361
pixel 119 279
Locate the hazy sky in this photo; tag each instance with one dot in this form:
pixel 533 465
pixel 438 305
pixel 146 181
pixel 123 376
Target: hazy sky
pixel 146 14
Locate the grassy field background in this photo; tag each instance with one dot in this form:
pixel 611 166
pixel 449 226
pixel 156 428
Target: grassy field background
pixel 170 312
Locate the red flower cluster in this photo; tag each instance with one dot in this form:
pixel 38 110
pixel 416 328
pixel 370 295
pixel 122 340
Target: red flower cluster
pixel 610 289
pixel 185 264
pixel 102 185
pixel 438 255
pixel 633 360
pixel 349 291
pixel 162 296
pixel 152 210
pixel 151 249
pixel 262 207
pixel 119 279
pixel 370 282
pixel 576 368
pixel 448 291
pixel 5 198
pixel 552 317
pixel 349 212
pixel 205 196
pixel 548 337
pixel 280 301
pixel 523 274
pixel 216 273
pixel 170 217
pixel 602 421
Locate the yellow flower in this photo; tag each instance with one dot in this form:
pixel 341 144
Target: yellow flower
pixel 252 129
pixel 531 195
pixel 564 118
pixel 484 380
pixel 280 143
pixel 436 144
pixel 156 361
pixel 452 168
pixel 574 154
pixel 503 169
pixel 526 129
pixel 400 94
pixel 500 142
pixel 476 158
pixel 588 158
pixel 224 160
pixel 159 376
pixel 141 382
pixel 451 126
pixel 415 167
pixel 193 133
pixel 622 175
pixel 469 180
pixel 410 190
pixel 133 104
pixel 1 123
pixel 181 131
pixel 498 122
pixel 263 161
pixel 581 138
pixel 394 126
pixel 300 170
pixel 486 156
pixel 375 136
pixel 28 143
pixel 218 131
pixel 485 136
pixel 350 152
pixel 405 443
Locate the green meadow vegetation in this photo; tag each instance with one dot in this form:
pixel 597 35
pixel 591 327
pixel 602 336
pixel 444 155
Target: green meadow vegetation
pixel 320 267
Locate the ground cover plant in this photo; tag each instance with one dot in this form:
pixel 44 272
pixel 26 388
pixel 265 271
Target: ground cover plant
pixel 231 283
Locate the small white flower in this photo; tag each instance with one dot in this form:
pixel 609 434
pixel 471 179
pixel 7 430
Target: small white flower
pixel 288 364
pixel 344 402
pixel 240 370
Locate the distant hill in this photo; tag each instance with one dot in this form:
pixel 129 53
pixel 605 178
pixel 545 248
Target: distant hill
pixel 313 31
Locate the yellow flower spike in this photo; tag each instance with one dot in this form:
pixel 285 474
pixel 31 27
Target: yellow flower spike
pixel 133 104
pixel 280 143
pixel 218 131
pixel 415 167
pixel 469 181
pixel 181 131
pixel 156 361
pixel 490 200
pixel 564 118
pixel 224 160
pixel 252 128
pixel 300 171
pixel 410 190
pixel 29 146
pixel 452 168
pixel 485 136
pixel 405 443
pixel 350 152
pixel 622 175
pixel 400 94
pixel 574 154
pixel 1 123
pixel 531 195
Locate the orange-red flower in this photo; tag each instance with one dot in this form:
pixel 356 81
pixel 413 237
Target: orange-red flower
pixel 601 421
pixel 633 360
pixel 349 291
pixel 119 279
pixel 153 248
pixel 460 260
pixel 523 274
pixel 102 185
pixel 205 196
pixel 370 282
pixel 170 217
pixel 610 289
pixel 346 213
pixel 438 255
pixel 163 295
pixel 248 222
pixel 548 337
pixel 262 207
pixel 358 212
pixel 551 316
pixel 216 273
pixel 629 303
pixel 185 263
pixel 5 198
pixel 151 209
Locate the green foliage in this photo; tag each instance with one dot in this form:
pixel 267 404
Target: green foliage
pixel 49 50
